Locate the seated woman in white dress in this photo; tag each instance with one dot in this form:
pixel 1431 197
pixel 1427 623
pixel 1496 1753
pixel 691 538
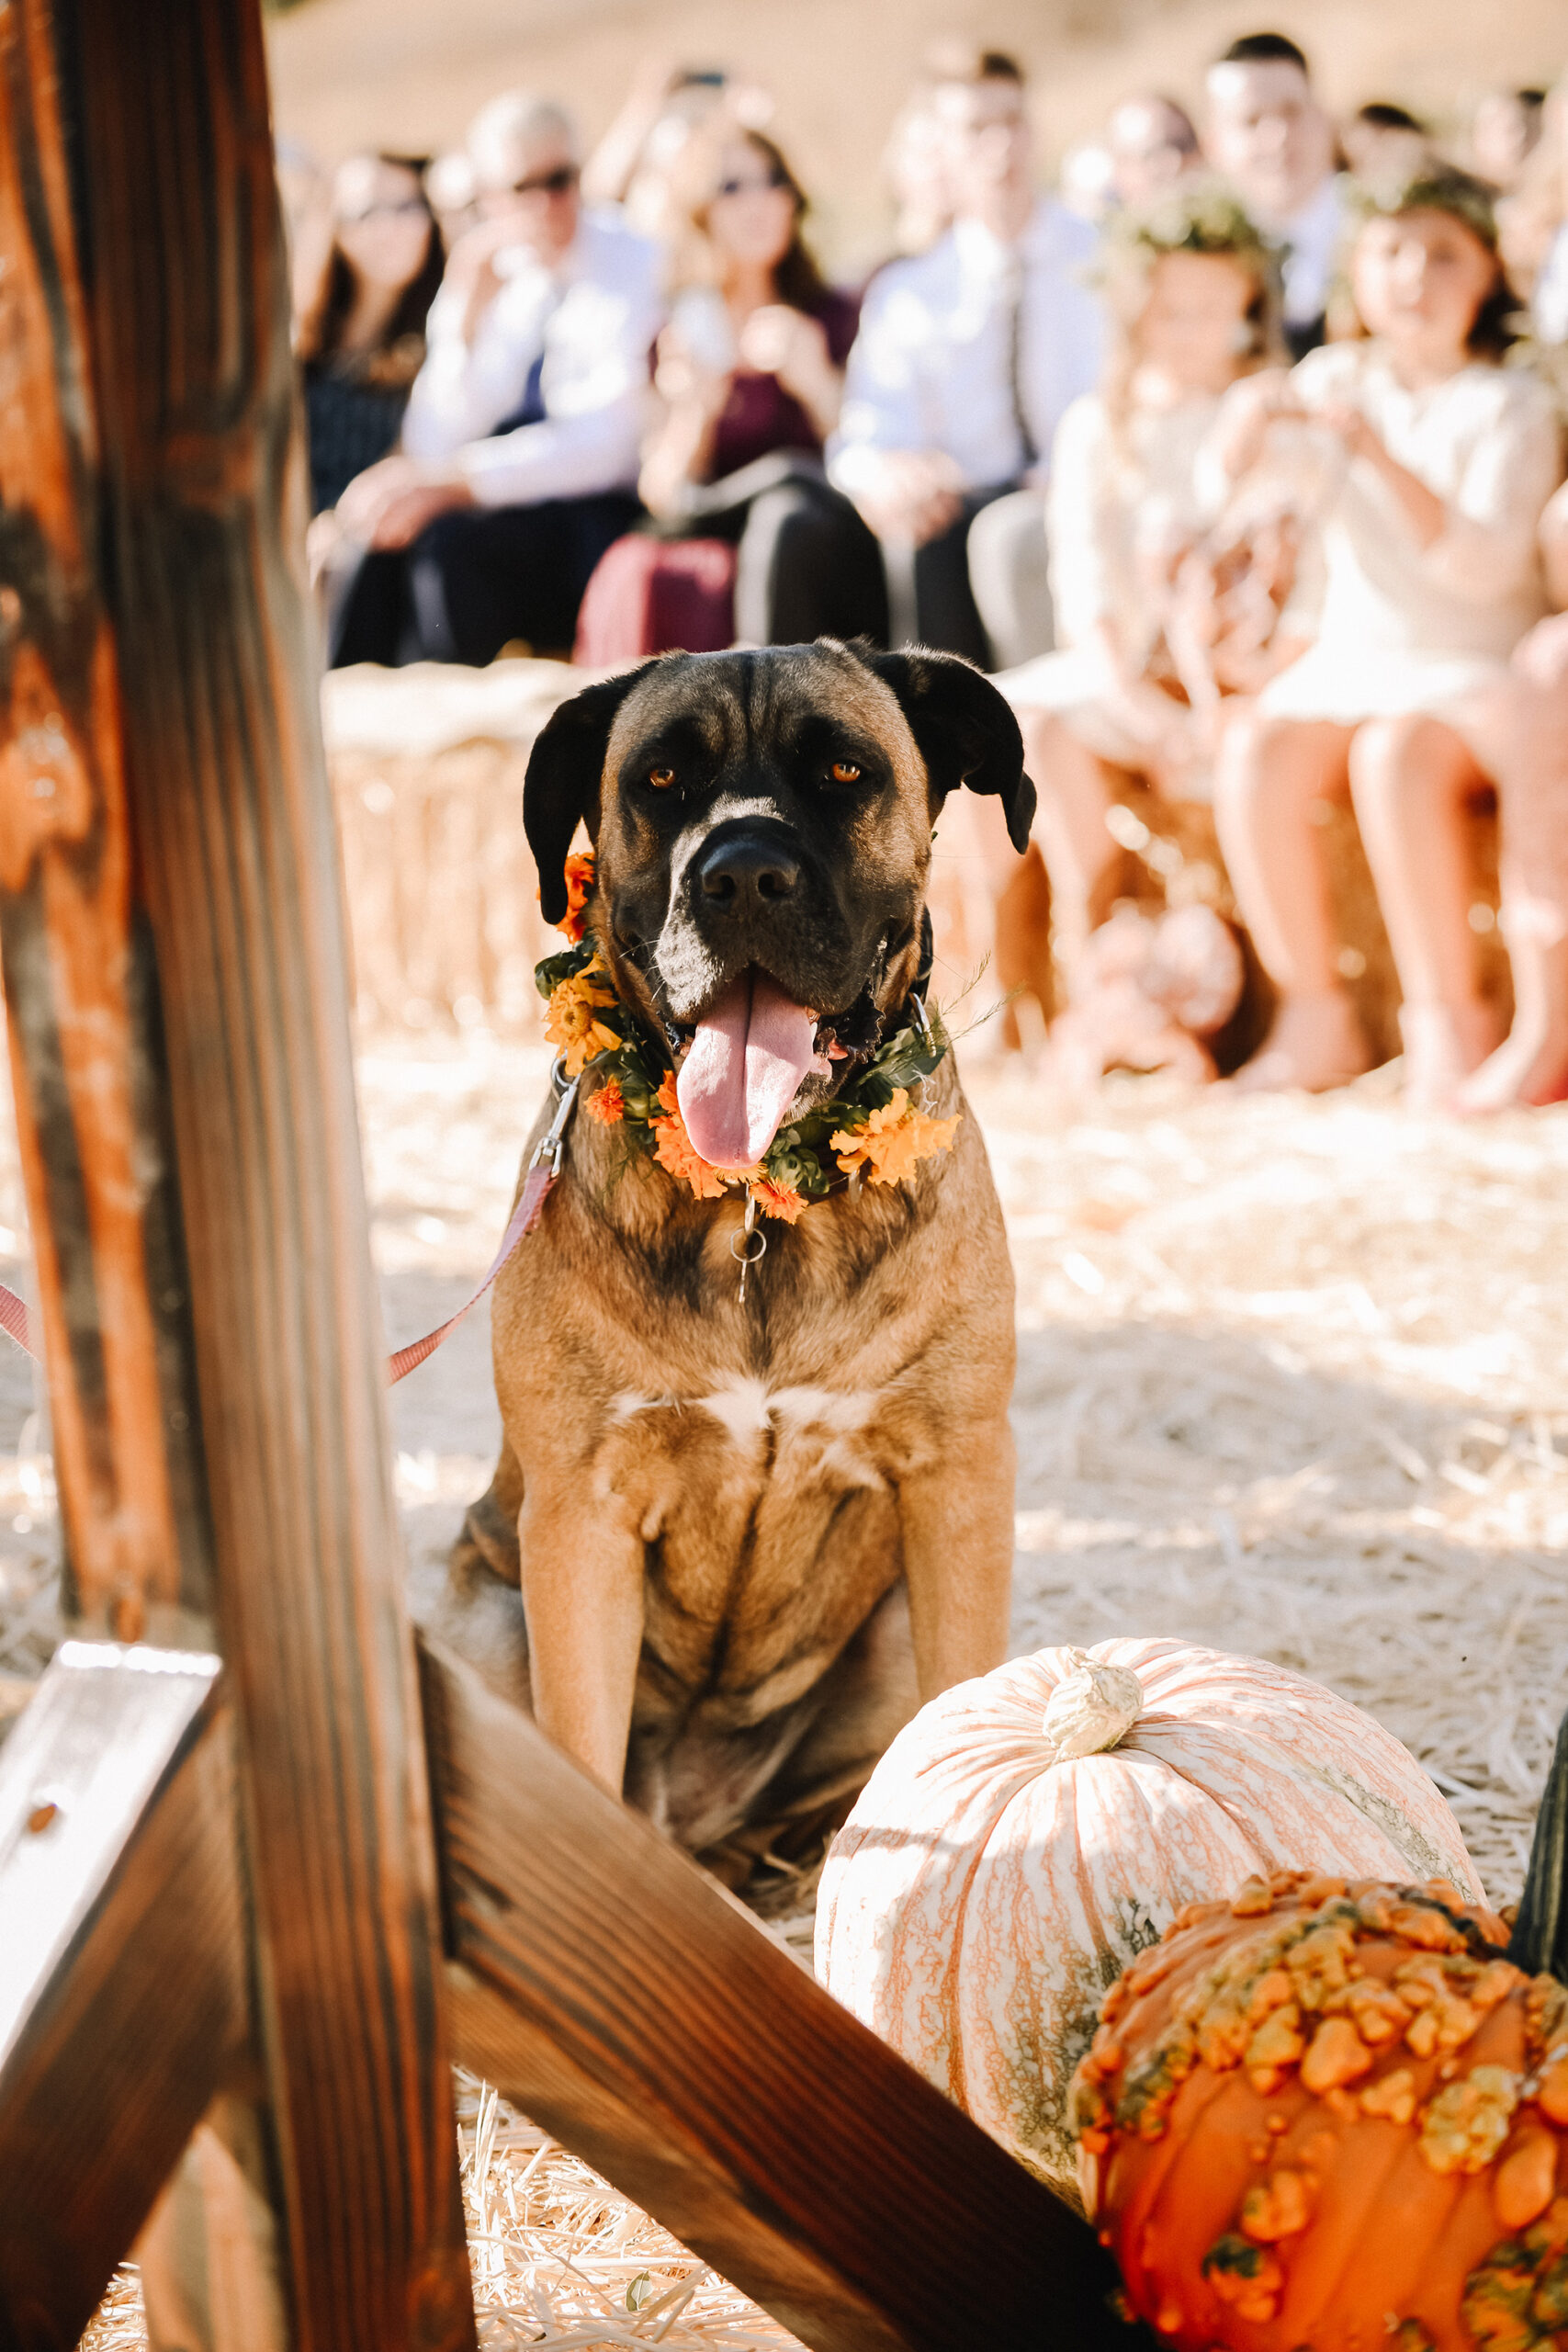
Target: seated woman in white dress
pixel 1191 290
pixel 1529 722
pixel 1432 575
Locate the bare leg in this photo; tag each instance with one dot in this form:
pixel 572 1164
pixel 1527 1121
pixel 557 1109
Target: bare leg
pixel 1269 778
pixel 1530 725
pixel 1076 790
pixel 1411 780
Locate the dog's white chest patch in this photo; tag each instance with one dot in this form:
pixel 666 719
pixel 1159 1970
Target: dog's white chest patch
pixel 747 1409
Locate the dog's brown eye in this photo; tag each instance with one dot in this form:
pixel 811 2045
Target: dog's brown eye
pixel 844 772
pixel 662 778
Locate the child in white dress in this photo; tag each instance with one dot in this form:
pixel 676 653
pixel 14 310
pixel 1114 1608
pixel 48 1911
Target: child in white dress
pixel 1432 575
pixel 1192 289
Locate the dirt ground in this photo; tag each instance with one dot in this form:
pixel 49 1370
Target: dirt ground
pixel 1292 1380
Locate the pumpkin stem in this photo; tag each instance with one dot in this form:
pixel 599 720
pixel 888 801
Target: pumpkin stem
pixel 1092 1707
pixel 1539 1940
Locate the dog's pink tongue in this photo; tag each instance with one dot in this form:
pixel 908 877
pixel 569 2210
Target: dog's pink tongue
pixel 743 1070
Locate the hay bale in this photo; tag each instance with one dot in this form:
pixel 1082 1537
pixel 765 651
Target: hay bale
pixel 1179 862
pixel 427 767
pixel 443 896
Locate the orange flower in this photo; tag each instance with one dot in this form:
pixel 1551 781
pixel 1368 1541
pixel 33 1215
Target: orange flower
pixel 673 1148
pixel 777 1200
pixel 608 1105
pixel 579 883
pixel 893 1139
pixel 570 1019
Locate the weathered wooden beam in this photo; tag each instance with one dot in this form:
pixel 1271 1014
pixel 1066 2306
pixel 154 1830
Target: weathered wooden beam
pixel 82 1029
pixel 122 1965
pixel 637 2012
pixel 163 798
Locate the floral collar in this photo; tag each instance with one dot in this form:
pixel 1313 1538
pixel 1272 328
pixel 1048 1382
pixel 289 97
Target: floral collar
pixel 876 1128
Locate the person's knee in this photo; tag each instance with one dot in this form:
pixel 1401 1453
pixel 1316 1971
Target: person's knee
pixel 787 517
pixel 1041 730
pixel 803 565
pixel 1052 753
pixel 1395 760
pixel 1541 658
pixel 1256 760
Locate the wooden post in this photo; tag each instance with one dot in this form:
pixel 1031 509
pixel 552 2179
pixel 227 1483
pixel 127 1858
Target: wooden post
pixel 167 860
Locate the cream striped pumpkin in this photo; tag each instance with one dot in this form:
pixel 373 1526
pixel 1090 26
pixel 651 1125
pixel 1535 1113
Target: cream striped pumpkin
pixel 1030 1832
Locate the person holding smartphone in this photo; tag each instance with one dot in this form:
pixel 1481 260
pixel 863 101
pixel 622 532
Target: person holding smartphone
pixel 747 539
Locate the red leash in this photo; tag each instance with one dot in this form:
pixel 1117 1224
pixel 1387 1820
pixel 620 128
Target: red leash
pixel 538 1185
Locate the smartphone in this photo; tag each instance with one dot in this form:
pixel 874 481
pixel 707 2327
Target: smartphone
pixel 703 322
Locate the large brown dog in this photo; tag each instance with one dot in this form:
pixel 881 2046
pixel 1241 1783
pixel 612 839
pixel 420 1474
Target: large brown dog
pixel 751 1537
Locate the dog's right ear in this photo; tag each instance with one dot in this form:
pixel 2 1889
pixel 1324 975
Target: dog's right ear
pixel 562 787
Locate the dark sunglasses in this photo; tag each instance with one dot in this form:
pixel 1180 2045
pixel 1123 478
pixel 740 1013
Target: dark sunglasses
pixel 408 206
pixel 748 187
pixel 560 181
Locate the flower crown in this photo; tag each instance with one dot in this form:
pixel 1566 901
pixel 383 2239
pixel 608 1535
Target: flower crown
pixel 875 1126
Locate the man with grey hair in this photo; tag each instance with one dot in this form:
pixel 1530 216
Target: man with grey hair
pixel 519 457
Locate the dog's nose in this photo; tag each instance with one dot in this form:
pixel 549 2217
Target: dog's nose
pixel 742 874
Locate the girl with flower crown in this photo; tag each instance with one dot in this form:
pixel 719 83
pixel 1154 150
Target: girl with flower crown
pixel 1193 299
pixel 1433 464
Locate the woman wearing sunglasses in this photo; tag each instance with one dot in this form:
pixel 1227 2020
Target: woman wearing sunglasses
pixel 747 540
pixel 360 339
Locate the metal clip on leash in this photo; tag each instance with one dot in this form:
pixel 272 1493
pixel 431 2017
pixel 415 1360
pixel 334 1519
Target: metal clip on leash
pixel 740 1244
pixel 551 1146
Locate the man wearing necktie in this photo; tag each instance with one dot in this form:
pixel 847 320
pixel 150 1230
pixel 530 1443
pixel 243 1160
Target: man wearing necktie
pixel 1266 133
pixel 967 358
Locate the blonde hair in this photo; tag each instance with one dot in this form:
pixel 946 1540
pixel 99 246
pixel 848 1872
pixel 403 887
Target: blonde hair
pixel 1195 217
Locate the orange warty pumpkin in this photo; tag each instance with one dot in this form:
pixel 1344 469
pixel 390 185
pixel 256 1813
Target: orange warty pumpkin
pixel 1330 2117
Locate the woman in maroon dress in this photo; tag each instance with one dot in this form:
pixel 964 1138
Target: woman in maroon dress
pixel 747 539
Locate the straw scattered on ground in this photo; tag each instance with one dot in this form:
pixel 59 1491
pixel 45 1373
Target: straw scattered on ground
pixel 1292 1380
pixel 559 2259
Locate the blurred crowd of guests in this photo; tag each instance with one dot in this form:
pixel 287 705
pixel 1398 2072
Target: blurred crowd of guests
pixel 1237 460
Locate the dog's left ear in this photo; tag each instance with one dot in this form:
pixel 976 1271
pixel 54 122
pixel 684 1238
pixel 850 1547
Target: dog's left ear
pixel 561 786
pixel 965 731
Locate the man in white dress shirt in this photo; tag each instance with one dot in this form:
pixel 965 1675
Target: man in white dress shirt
pixel 965 359
pixel 519 454
pixel 1269 137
